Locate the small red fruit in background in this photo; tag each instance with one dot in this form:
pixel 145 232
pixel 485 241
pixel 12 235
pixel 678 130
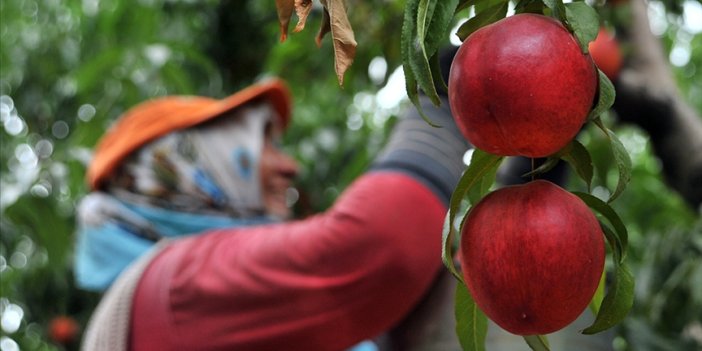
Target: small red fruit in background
pixel 63 330
pixel 606 53
pixel 521 86
pixel 532 256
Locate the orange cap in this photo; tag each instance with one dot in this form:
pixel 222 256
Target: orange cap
pixel 155 118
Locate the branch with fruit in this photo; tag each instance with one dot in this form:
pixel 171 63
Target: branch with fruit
pixel 531 256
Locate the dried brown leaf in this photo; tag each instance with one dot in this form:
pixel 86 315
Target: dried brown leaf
pixel 342 36
pixel 302 9
pixel 285 10
pixel 324 28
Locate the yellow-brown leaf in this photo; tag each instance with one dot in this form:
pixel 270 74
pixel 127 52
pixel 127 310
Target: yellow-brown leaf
pixel 342 37
pixel 302 9
pixel 285 10
pixel 324 28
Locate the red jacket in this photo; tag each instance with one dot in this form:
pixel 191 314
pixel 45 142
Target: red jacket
pixel 323 283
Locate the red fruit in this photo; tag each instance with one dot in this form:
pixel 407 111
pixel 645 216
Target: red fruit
pixel 606 53
pixel 63 330
pixel 532 256
pixel 521 86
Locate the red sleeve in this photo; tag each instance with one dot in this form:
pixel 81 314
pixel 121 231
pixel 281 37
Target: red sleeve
pixel 323 283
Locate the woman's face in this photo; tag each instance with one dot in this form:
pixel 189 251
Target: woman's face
pixel 277 172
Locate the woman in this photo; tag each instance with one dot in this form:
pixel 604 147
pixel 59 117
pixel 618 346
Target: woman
pixel 189 194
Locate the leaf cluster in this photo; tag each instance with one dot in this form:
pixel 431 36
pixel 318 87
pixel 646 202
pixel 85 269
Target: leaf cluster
pixel 335 21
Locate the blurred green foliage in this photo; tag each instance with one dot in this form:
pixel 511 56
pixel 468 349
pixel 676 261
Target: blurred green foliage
pixel 69 68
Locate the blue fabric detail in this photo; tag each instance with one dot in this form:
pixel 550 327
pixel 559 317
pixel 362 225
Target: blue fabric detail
pixel 243 161
pixel 104 251
pixel 209 186
pixel 364 346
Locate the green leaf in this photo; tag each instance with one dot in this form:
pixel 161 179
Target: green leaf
pixel 620 232
pixel 537 342
pixel 550 162
pixel 425 25
pixel 482 5
pixel 619 299
pixel 435 66
pixel 621 158
pixel 606 95
pixel 471 322
pixel 616 303
pixel 557 8
pixel 436 34
pixel 433 19
pixel 482 187
pixel 481 165
pixel 529 6
pixel 596 301
pixel 439 25
pixel 489 15
pixel 425 11
pixel 576 155
pixel 464 4
pixel 418 60
pixel 615 243
pixel 406 42
pixel 579 159
pixel 583 21
pixel 413 93
pixel 447 238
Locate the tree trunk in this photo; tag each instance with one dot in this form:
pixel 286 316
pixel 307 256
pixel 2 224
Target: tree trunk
pixel 647 95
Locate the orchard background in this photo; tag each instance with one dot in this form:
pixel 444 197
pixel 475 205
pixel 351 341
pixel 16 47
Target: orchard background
pixel 68 68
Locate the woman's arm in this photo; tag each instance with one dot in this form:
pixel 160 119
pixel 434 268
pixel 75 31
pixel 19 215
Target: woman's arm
pixel 324 283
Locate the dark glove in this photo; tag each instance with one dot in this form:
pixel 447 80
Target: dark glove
pixel 432 155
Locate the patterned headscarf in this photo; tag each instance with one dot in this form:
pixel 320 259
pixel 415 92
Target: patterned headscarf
pixel 212 168
pixel 184 183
